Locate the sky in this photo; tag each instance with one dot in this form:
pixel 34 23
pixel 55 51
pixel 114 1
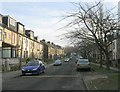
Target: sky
pixel 42 16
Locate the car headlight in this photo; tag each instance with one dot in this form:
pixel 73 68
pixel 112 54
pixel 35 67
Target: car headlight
pixel 23 69
pixel 35 69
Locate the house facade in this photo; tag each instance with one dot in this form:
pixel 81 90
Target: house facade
pixel 51 51
pixel 118 40
pixel 1 35
pixel 17 42
pixel 9 37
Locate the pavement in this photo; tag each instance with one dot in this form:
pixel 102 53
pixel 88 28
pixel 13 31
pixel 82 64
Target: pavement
pixel 0 81
pixel 87 79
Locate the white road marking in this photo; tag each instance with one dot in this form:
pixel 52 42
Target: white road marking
pixel 48 76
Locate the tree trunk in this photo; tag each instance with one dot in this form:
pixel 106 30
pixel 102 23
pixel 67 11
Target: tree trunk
pixel 107 61
pixel 101 63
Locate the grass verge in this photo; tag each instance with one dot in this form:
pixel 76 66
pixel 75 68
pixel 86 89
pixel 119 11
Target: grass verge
pixel 101 79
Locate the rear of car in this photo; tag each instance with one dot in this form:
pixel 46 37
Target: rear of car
pixel 57 62
pixel 83 64
pixel 66 60
pixel 70 58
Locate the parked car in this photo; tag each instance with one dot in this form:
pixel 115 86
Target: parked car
pixel 33 67
pixel 83 64
pixel 57 62
pixel 66 59
pixel 70 58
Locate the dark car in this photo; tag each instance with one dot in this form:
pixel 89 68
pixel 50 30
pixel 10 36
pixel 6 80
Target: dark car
pixel 33 67
pixel 57 62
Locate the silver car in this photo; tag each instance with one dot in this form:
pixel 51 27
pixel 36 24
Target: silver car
pixel 83 64
pixel 66 60
pixel 57 62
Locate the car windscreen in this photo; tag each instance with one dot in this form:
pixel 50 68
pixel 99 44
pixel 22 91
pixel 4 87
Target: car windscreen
pixel 57 61
pixel 32 63
pixel 83 61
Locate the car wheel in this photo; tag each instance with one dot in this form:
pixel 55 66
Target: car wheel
pixel 77 69
pixel 43 71
pixel 89 69
pixel 39 72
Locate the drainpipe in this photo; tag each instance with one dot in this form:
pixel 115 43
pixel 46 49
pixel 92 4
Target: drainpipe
pixel 21 53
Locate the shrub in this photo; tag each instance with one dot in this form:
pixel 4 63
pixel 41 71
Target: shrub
pixel 27 59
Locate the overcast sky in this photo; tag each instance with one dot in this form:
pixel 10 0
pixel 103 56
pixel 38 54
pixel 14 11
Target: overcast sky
pixel 42 16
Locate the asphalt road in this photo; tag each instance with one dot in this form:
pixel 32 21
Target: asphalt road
pixel 0 81
pixel 62 77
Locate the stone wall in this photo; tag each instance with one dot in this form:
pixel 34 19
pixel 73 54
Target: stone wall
pixel 11 61
pixel 10 64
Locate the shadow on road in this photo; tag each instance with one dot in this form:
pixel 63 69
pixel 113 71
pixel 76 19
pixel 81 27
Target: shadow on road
pixel 86 70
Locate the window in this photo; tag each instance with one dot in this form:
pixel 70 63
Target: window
pixel 13 53
pixel 119 33
pixel 21 29
pixel 26 42
pixel 13 38
pixel 113 46
pixel 12 22
pixel 9 36
pixel 7 52
pixel 4 35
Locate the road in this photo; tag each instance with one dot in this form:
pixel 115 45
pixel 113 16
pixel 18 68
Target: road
pixel 0 80
pixel 62 77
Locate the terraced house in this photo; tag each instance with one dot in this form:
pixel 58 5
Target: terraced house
pixel 18 42
pixel 51 51
pixel 35 47
pixel 1 36
pixel 116 43
pixel 9 37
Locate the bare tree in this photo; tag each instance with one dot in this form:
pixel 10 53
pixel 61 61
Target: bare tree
pixel 68 50
pixel 94 25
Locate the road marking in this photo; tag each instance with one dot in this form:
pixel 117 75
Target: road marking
pixel 65 87
pixel 53 76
